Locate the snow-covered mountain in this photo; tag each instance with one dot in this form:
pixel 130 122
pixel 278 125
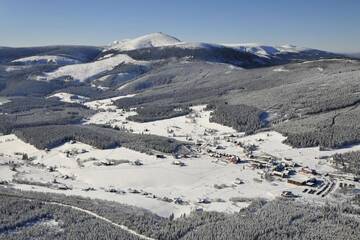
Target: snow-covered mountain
pixel 150 40
pixel 160 46
pixel 129 59
pixel 79 53
pixel 161 40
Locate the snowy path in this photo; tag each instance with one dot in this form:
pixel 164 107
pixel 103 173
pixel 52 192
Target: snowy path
pixel 123 227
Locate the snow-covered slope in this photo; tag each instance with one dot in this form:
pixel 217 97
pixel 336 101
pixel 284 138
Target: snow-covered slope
pixel 259 50
pixel 81 72
pixel 196 45
pixel 46 59
pixel 150 40
pixel 264 50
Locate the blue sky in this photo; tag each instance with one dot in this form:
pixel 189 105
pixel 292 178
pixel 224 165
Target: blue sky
pixel 324 24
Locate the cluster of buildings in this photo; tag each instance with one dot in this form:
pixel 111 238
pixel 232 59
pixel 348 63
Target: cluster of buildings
pixel 287 169
pixel 230 158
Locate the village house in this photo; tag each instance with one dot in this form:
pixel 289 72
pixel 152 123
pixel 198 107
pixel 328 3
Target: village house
pixel 259 164
pixel 234 159
pixel 298 182
pixel 283 174
pixel 307 170
pixel 178 163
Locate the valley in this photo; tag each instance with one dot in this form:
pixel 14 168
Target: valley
pixel 224 171
pixel 165 139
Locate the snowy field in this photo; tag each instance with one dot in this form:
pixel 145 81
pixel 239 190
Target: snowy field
pixel 159 184
pixel 83 71
pixel 45 59
pixel 3 100
pixel 69 98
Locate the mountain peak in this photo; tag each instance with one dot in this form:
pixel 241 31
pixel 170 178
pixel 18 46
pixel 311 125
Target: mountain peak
pixel 156 39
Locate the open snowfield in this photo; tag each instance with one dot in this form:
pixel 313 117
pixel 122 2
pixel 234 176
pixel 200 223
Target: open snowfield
pixel 46 59
pixel 79 169
pixel 81 72
pixel 68 97
pixel 16 68
pixel 3 100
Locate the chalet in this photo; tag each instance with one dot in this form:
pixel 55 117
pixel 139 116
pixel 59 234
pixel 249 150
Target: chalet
pixel 138 163
pixel 160 156
pixel 151 195
pixel 282 174
pixel 107 163
pixel 3 182
pixel 199 142
pixel 291 164
pixel 298 182
pixel 209 150
pixel 67 177
pixel 178 163
pixel 258 164
pixel 132 190
pixel 234 159
pixel 51 169
pixel 279 167
pixel 63 187
pixel 307 170
pixel 199 209
pixel 166 199
pixel 204 201
pixel 144 193
pixel 114 190
pixel 180 201
pixel 238 181
pixel 266 158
